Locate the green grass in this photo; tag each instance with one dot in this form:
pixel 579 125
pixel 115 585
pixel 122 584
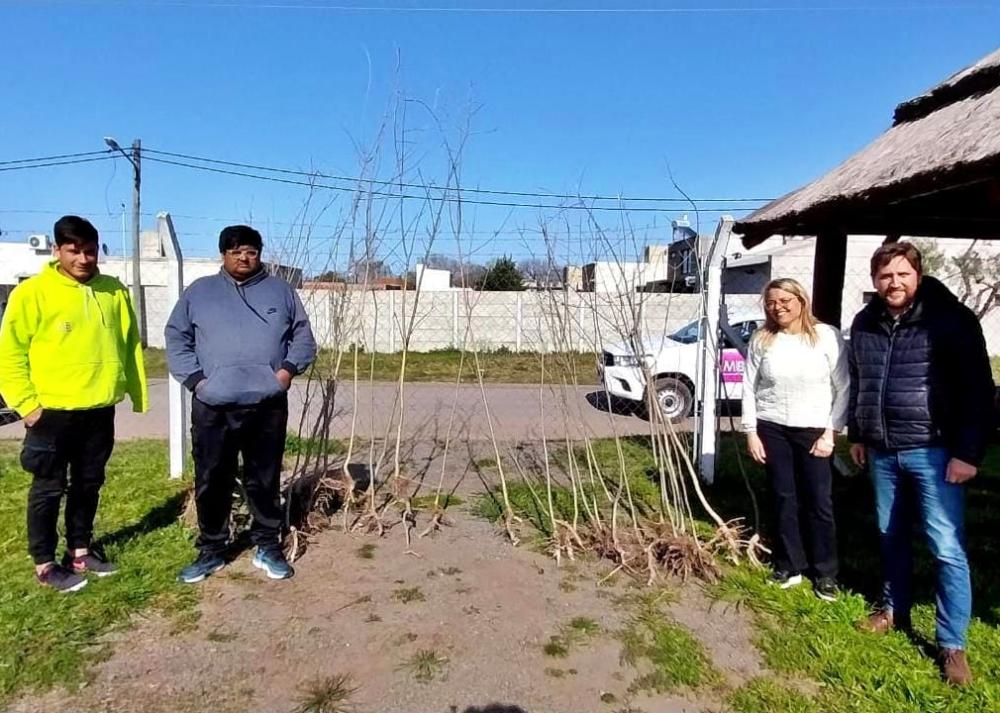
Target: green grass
pixel 156 362
pixel 426 502
pixel 665 654
pixel 573 633
pixel 995 365
pixel 498 367
pixel 803 637
pixel 326 695
pixel 296 445
pixel 800 637
pixel 408 594
pixel 533 507
pixel 48 638
pixel 425 665
pixel 556 647
pixel 762 695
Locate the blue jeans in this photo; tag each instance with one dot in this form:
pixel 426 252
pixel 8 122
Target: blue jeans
pixel 910 484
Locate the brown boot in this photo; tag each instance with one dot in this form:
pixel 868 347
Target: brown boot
pixel 954 667
pixel 878 623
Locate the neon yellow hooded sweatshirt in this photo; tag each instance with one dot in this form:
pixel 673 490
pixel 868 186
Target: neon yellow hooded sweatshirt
pixel 68 345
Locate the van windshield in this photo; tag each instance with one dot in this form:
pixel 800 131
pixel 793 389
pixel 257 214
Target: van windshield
pixel 688 334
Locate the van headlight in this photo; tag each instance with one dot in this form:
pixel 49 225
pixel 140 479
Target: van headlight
pixel 630 360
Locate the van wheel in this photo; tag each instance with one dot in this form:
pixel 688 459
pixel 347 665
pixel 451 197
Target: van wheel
pixel 673 397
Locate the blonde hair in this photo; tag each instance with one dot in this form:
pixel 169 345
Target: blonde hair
pixel 807 321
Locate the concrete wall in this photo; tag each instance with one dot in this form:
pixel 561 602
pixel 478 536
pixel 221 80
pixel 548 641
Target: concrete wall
pixel 518 321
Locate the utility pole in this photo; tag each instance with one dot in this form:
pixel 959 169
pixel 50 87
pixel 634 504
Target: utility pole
pixel 138 303
pixel 137 299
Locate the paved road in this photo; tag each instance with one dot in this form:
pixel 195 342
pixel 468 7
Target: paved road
pixel 514 411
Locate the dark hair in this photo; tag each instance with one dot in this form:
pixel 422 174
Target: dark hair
pixel 887 253
pixel 235 236
pixel 74 229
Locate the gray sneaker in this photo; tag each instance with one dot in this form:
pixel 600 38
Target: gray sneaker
pixel 89 563
pixel 784 579
pixel 61 579
pixel 826 589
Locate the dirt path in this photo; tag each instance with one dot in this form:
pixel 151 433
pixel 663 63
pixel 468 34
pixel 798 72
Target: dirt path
pixel 479 609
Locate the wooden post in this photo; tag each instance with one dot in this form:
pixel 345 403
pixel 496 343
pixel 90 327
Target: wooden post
pixel 829 264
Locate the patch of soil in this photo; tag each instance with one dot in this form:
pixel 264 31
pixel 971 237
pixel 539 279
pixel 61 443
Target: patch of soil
pixel 469 597
pixel 725 633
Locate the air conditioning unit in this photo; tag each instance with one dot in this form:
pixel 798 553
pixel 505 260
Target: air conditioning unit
pixel 40 243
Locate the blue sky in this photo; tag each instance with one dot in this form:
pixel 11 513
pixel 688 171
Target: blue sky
pixel 746 99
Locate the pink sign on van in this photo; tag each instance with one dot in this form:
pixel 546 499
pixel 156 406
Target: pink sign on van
pixel 732 366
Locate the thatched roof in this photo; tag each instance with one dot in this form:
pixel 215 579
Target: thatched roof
pixel 933 173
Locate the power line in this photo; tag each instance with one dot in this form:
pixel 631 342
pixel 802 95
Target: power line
pixel 720 10
pixel 400 184
pixel 504 234
pixel 54 158
pixel 54 163
pixel 450 199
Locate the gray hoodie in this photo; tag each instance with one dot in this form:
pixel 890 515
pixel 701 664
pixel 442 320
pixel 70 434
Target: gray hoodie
pixel 237 335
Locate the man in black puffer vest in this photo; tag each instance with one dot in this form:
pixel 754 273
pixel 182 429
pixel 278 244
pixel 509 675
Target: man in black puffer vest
pixel 920 412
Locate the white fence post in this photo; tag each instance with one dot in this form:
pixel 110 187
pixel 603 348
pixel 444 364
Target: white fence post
pixel 454 320
pixel 519 321
pixel 177 404
pixel 392 321
pixel 709 358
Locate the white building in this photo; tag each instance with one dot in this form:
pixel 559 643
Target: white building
pixel 23 259
pixel 611 277
pixel 432 279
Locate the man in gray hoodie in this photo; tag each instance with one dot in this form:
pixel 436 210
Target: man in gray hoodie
pixel 236 340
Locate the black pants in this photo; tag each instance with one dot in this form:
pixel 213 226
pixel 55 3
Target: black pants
pixel 801 487
pixel 218 436
pixel 80 442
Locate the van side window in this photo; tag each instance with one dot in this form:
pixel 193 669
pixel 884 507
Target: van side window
pixel 744 329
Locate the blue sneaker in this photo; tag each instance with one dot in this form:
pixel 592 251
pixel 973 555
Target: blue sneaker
pixel 207 564
pixel 273 562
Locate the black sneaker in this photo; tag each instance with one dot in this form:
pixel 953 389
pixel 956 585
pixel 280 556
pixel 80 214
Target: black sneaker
pixel 61 579
pixel 785 579
pixel 89 563
pixel 205 565
pixel 826 589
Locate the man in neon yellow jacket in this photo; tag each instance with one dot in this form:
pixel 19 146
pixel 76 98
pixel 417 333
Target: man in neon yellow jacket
pixel 69 351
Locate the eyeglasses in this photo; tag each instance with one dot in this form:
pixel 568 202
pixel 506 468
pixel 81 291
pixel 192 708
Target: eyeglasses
pixel 252 254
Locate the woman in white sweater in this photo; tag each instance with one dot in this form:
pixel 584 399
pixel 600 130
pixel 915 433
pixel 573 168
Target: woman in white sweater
pixel 794 400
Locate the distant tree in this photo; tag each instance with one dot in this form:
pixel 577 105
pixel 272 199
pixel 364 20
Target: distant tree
pixel 977 276
pixel 465 274
pixel 502 275
pixel 541 272
pixel 436 261
pixel 363 270
pixel 327 276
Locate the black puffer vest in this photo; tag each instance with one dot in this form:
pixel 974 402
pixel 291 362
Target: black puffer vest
pixel 923 380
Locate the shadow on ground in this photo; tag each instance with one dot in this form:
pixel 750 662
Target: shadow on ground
pixel 605 402
pixel 159 517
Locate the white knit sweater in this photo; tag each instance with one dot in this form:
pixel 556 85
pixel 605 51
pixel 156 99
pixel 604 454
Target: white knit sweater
pixel 795 383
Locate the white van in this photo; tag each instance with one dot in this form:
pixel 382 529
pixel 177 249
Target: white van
pixel 672 361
